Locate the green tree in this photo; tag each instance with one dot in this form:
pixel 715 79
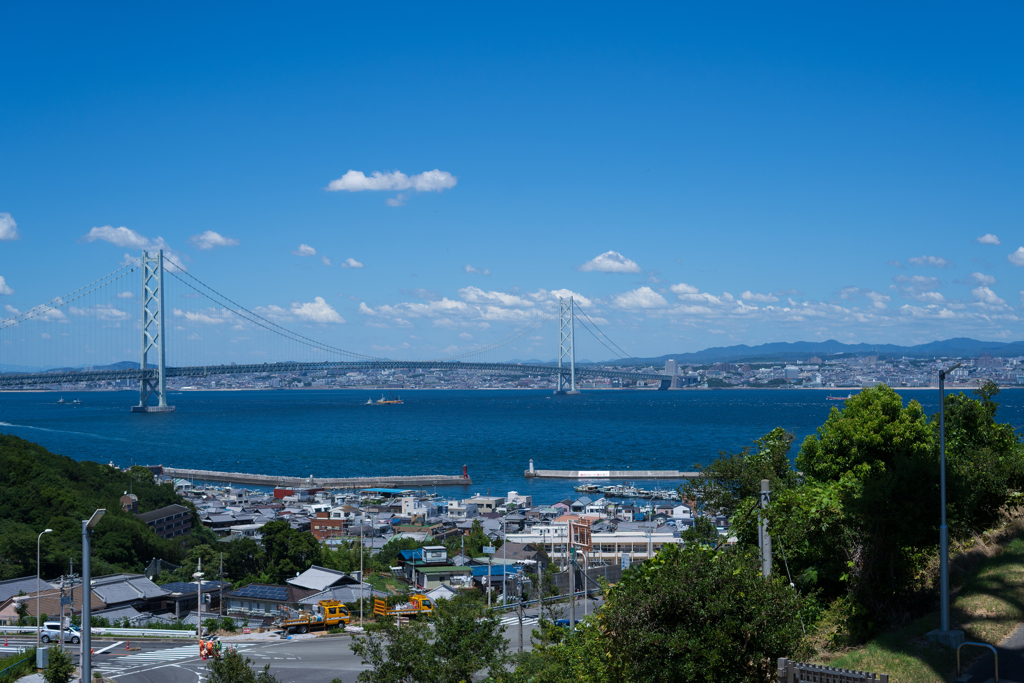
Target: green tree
pixel 288 551
pixel 703 532
pixel 234 668
pixel 464 641
pixel 61 668
pixel 696 614
pixel 243 557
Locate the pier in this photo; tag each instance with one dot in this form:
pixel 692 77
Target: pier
pixel 609 474
pixel 271 480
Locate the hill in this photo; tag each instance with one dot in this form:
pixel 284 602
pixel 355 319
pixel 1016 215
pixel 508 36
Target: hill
pixel 782 351
pixel 41 490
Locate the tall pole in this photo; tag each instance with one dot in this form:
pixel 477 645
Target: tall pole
pixel 943 529
pixel 39 614
pixel 572 590
pixel 765 538
pixel 489 556
pixel 362 579
pixel 198 576
pixel 86 658
pixel 220 599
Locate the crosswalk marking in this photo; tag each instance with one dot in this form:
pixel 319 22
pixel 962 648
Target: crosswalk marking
pixel 513 619
pixel 154 656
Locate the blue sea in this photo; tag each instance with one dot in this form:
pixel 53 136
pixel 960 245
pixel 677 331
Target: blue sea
pixel 495 433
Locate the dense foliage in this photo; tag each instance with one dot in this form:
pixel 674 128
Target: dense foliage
pixel 856 521
pixel 689 614
pixel 464 640
pixel 42 490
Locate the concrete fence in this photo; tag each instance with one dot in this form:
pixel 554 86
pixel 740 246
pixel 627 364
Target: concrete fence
pixel 798 672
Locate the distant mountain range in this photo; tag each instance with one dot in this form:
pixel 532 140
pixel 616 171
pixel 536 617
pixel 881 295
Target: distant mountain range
pixel 802 350
pixel 122 365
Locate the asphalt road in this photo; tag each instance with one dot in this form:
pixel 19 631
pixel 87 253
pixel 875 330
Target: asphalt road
pixel 300 660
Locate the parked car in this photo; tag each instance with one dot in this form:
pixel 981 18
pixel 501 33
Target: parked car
pixel 564 623
pixel 51 633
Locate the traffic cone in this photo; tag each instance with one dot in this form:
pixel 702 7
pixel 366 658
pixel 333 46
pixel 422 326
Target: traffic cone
pixel 128 645
pixel 5 641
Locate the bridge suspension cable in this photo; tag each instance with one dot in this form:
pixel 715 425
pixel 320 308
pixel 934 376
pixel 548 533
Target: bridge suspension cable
pixel 621 353
pixel 58 302
pixel 504 341
pixel 259 320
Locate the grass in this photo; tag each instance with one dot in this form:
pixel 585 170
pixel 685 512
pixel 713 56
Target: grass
pixel 25 667
pixel 385 583
pixel 988 607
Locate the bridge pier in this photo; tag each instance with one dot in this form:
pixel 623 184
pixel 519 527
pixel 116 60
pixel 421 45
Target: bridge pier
pixel 153 336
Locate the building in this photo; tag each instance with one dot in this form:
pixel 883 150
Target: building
pixel 326 526
pixel 169 521
pixel 266 601
pixel 671 367
pixel 485 503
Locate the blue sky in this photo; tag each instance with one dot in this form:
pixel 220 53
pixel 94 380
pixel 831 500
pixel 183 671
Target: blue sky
pixel 759 173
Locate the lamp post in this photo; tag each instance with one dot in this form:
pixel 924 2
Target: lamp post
pixel 362 580
pixel 87 526
pixel 39 614
pixel 944 635
pixel 198 576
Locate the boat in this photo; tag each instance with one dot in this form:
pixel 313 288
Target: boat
pixel 385 402
pixel 839 398
pixel 76 402
pixel 587 488
pixel 61 401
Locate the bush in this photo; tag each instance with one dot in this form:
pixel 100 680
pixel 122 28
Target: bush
pixel 234 668
pixel 61 668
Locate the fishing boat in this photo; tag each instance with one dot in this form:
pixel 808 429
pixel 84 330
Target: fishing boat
pixel 76 402
pixel 61 401
pixel 587 488
pixel 839 398
pixel 385 401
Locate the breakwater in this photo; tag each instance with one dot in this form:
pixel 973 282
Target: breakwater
pixel 609 474
pixel 246 478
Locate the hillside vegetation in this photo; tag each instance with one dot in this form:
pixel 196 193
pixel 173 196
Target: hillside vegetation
pixel 42 490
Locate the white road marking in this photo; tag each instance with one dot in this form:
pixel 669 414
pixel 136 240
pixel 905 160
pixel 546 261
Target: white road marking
pixel 513 619
pixel 109 647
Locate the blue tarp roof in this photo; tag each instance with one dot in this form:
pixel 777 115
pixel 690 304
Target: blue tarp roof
pixel 409 555
pixel 496 569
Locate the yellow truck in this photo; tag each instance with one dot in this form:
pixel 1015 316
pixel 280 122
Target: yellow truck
pixel 416 604
pixel 324 615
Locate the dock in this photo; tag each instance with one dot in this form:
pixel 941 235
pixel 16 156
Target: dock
pixel 271 480
pixel 630 475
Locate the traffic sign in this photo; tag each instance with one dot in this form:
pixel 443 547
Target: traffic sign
pixel 489 550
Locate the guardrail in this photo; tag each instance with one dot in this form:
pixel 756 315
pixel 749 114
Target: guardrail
pixel 792 672
pixel 103 630
pixel 553 598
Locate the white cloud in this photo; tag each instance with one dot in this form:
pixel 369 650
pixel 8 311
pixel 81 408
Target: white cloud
pixel 1017 257
pixel 988 238
pixel 324 260
pixel 5 289
pixel 936 261
pixel 397 200
pixel 100 312
pixel 611 262
pixel 987 296
pixel 126 237
pixel 209 316
pixel 644 297
pixel 305 250
pixel 8 228
pixel 475 295
pixel 125 295
pixel 429 181
pixel 565 294
pixel 758 297
pixel 46 335
pixel 350 263
pixel 44 313
pixel 878 300
pixel 683 288
pixel 470 269
pixel 317 311
pixel 466 335
pixel 211 239
pixel 982 278
pixel 193 337
pixel 930 297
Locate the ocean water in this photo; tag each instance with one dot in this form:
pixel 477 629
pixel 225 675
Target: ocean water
pixel 495 433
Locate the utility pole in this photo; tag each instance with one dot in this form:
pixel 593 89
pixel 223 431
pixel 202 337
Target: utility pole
pixel 943 635
pixel 765 540
pixel 362 580
pixel 519 591
pixel 220 600
pixel 572 591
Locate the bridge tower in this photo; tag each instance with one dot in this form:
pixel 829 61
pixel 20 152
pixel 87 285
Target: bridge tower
pixel 566 350
pixel 153 336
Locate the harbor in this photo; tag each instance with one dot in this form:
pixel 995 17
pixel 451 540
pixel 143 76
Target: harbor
pixel 532 473
pixel 271 480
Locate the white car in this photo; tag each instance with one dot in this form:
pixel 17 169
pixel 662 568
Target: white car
pixel 51 633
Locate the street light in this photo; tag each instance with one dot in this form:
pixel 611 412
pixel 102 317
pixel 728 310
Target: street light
pixel 38 613
pixel 87 526
pixel 198 576
pixel 943 635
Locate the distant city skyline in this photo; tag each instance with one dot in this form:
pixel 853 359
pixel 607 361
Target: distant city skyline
pixel 421 185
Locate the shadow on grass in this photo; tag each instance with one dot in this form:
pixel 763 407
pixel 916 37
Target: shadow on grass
pixel 988 607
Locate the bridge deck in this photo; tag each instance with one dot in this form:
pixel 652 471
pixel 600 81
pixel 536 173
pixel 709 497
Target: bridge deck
pixel 69 377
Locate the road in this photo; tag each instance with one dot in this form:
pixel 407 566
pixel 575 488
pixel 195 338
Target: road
pixel 303 659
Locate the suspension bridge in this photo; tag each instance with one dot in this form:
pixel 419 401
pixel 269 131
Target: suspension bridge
pixel 112 327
